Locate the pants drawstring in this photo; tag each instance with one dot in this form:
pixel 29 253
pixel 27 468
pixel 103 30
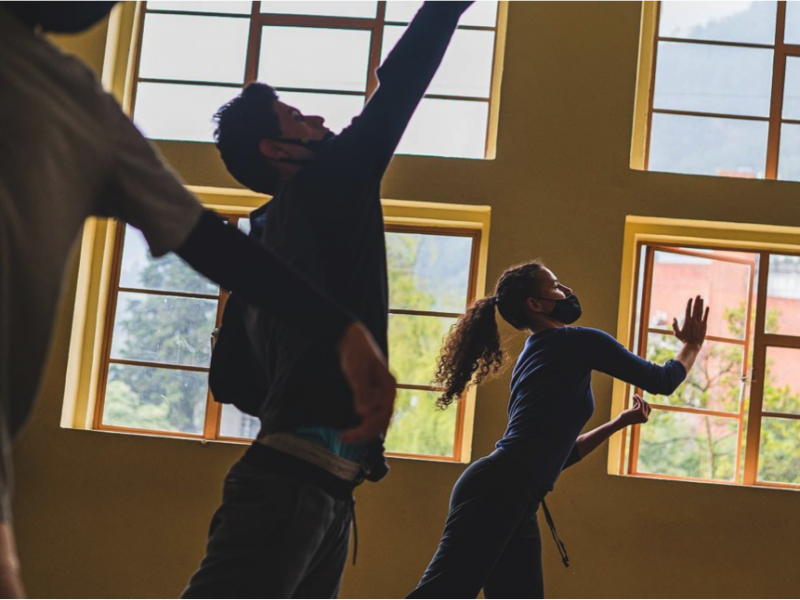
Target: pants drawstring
pixel 355 529
pixel 562 549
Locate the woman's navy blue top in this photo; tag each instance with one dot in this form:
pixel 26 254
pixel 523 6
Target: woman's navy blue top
pixel 551 396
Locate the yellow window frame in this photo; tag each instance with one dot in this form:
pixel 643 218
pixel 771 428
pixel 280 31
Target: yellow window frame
pixel 99 252
pixel 124 45
pixel 643 232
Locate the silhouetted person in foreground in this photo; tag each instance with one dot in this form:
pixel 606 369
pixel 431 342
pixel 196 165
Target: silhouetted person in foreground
pixel 491 538
pixel 282 530
pixel 68 153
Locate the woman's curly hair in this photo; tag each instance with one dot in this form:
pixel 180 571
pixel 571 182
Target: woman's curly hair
pixel 472 351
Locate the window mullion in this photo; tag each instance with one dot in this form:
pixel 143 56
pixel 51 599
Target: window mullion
pixel 647 293
pixel 213 421
pixel 653 68
pixel 376 47
pixel 748 346
pixel 253 45
pixel 111 308
pixel 213 408
pixel 138 35
pixel 776 103
pixel 757 379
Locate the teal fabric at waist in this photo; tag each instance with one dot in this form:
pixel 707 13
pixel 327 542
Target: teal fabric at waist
pixel 328 438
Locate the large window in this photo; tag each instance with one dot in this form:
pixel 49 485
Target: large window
pixel 736 419
pixel 431 282
pixel 725 90
pixel 320 56
pixel 158 348
pixel 154 378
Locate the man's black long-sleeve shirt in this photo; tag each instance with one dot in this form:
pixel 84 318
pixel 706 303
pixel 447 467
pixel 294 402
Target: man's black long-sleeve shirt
pixel 327 222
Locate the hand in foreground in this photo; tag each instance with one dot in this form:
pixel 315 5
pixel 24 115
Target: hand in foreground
pixel 374 387
pixel 637 414
pixel 695 323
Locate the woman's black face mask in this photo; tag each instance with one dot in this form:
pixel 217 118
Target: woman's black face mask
pixel 565 310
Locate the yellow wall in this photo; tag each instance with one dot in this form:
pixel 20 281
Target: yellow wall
pixel 104 515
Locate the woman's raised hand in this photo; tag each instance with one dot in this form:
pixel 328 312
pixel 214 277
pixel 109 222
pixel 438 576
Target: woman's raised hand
pixel 695 323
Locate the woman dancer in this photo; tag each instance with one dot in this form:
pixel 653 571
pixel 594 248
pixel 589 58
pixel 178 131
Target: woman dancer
pixel 491 538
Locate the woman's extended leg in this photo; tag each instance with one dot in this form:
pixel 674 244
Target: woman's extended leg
pixel 518 573
pixel 485 510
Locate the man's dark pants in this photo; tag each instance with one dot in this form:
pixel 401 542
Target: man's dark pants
pixel 273 537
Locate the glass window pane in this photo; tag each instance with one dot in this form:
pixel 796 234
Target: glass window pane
pixel 688 445
pixel 357 10
pixel 155 399
pixel 480 14
pixel 414 345
pixel 419 427
pixel 783 295
pixel 467 67
pixel 187 48
pixel 179 112
pixel 238 8
pixel 779 452
pixel 450 128
pixel 337 109
pixel 428 272
pixel 315 58
pixel 169 273
pixel 236 424
pixel 792 30
pixel 708 146
pixel 749 22
pixel 164 329
pixel 791 94
pixel 715 382
pixel 789 161
pixel 713 79
pixel 782 381
pixel 725 286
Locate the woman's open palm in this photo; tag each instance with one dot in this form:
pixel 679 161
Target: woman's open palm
pixel 695 323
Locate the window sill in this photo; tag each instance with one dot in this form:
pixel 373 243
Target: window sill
pixel 788 487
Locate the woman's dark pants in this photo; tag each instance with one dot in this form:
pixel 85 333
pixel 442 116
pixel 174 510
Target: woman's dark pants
pixel 491 539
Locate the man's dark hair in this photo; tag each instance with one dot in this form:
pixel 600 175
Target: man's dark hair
pixel 241 125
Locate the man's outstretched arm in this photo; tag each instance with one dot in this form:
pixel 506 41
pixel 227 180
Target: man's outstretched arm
pixel 407 72
pixel 240 264
pixel 360 155
pixel 237 263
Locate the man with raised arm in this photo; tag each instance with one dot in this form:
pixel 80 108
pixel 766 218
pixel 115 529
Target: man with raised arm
pixel 282 530
pixel 68 153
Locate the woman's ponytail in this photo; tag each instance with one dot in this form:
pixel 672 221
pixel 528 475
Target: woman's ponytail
pixel 471 351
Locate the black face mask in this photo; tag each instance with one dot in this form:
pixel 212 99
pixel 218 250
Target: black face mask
pixel 316 146
pixel 60 17
pixel 566 310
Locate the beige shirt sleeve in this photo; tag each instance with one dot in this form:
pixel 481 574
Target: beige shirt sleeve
pixel 143 191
